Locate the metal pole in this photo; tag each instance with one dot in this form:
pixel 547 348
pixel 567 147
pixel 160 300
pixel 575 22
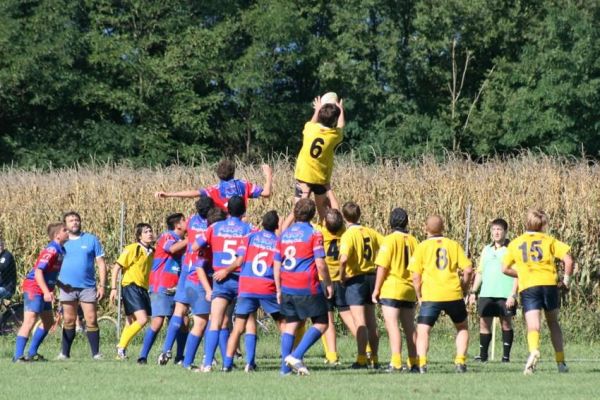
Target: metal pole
pixel 494 325
pixel 121 245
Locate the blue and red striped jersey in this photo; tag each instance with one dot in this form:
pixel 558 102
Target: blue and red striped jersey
pixel 196 227
pixel 166 265
pixel 224 190
pixel 49 261
pixel 224 237
pixel 256 277
pixel 299 246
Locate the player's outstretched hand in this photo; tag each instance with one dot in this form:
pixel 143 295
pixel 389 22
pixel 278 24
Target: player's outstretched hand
pixel 266 169
pixel 375 297
pixel 340 104
pixel 510 302
pixel 317 103
pixel 49 297
pixel 99 292
pixel 160 195
pixel 278 297
pixel 208 296
pixel 113 297
pixel 472 299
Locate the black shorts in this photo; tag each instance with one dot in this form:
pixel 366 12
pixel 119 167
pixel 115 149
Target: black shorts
pixel 430 311
pixel 313 187
pixel 339 298
pixel 494 307
pixel 397 303
pixel 540 298
pixel 135 298
pixel 359 290
pixel 298 308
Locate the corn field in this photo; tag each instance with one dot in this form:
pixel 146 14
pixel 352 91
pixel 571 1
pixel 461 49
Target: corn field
pixel 569 191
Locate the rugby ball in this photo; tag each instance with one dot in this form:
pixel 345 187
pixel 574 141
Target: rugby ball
pixel 329 98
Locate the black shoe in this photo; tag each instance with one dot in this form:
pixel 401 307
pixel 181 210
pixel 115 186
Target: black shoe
pixel 505 359
pixel 480 359
pixel 393 370
pixel 163 358
pixel 178 361
pixel 359 366
pixel 226 369
pixel 461 368
pixel 37 358
pixel 414 369
pixel 142 361
pixel 21 359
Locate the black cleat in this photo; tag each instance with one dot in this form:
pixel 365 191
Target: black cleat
pixel 460 368
pixel 142 361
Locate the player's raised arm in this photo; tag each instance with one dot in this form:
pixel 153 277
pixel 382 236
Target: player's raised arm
pixel 268 187
pixel 317 107
pixel 182 194
pixel 341 119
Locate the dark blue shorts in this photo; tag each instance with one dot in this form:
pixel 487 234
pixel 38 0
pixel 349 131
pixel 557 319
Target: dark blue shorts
pixel 35 303
pixel 298 308
pixel 180 295
pixel 162 304
pixel 135 298
pixel 430 311
pixel 248 305
pixel 397 303
pixel 226 289
pixel 359 290
pixel 196 298
pixel 540 298
pixel 338 300
pixel 494 307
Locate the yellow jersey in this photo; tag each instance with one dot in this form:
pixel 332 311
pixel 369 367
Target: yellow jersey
pixel 394 255
pixel 360 244
pixel 437 260
pixel 136 261
pixel 315 160
pixel 533 254
pixel 331 243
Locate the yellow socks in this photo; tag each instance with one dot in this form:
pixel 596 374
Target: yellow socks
pixel 412 361
pixel 361 360
pixel 422 361
pixel 396 361
pixel 128 333
pixel 368 350
pixel 559 356
pixel 533 340
pixel 460 359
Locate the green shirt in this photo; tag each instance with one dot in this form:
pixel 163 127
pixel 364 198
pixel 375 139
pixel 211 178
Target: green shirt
pixel 494 282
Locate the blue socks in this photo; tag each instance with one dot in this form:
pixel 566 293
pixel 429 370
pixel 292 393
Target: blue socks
pixel 250 344
pixel 223 338
pixel 38 338
pixel 228 362
pixel 182 335
pixel 287 343
pixel 174 325
pixel 20 347
pixel 191 347
pixel 210 346
pixel 309 338
pixel 149 339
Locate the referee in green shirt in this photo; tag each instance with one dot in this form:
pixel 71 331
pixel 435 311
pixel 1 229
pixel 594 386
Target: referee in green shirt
pixel 498 294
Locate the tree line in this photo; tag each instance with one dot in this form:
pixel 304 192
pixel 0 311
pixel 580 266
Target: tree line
pixel 158 82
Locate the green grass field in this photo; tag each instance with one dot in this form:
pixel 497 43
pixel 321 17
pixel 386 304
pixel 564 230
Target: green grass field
pixel 81 377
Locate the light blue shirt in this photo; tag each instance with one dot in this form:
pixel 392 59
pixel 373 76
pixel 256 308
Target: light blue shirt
pixel 78 265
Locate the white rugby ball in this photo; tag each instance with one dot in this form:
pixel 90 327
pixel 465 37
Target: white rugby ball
pixel 329 98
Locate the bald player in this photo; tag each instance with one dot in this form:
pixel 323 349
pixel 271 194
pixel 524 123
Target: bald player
pixel 435 267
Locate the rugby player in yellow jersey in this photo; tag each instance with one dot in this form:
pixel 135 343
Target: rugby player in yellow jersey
pixel 358 247
pixel 394 290
pixel 332 230
pixel 136 263
pixel 435 267
pixel 531 259
pixel 314 165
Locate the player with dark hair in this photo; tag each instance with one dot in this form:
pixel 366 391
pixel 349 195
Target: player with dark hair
pixel 257 289
pixel 394 290
pixel 38 289
pixel 497 292
pixel 531 259
pixel 228 187
pixel 358 247
pixel 435 267
pixel 164 277
pixel 224 237
pixel 136 263
pixel 297 267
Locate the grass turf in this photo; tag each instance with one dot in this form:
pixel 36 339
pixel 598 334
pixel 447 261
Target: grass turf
pixel 81 377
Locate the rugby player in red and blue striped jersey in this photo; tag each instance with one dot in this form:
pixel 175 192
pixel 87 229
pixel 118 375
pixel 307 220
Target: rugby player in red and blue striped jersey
pixel 164 276
pixel 257 287
pixel 38 289
pixel 224 237
pixel 300 261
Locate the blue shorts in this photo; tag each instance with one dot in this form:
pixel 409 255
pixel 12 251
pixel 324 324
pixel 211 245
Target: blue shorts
pixel 359 290
pixel 540 298
pixel 135 298
pixel 196 298
pixel 248 305
pixel 298 308
pixel 162 304
pixel 226 289
pixel 35 303
pixel 180 295
pixel 431 310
